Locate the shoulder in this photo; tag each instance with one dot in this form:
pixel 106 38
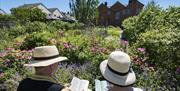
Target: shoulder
pixel 55 87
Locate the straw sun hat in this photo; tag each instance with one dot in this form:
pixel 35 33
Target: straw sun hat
pixel 116 69
pixel 45 56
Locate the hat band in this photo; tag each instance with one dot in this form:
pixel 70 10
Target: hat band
pixel 45 58
pixel 116 72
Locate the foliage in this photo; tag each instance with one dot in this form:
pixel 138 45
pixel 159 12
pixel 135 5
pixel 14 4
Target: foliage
pixel 60 25
pixel 114 31
pixel 28 14
pixel 84 10
pixel 5 39
pixel 37 39
pixel 11 61
pixel 5 18
pixel 35 27
pixel 135 25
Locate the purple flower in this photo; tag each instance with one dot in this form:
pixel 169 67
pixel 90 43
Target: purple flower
pixel 141 49
pixel 178 70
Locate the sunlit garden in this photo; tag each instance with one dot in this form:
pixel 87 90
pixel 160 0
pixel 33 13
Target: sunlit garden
pixel 153 43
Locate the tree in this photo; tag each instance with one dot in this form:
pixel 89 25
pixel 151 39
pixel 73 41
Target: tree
pixel 84 11
pixel 28 14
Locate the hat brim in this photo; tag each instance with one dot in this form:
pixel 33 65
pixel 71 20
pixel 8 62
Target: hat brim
pixel 111 77
pixel 42 63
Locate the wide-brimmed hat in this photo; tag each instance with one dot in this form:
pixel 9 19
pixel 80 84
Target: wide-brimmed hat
pixel 45 56
pixel 116 69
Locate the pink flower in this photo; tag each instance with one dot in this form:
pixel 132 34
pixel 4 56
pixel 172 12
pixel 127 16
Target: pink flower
pixel 3 54
pixel 94 50
pixel 66 45
pixel 9 49
pixel 141 49
pixel 102 50
pixel 28 58
pixel 124 42
pixel 18 43
pixel 1 75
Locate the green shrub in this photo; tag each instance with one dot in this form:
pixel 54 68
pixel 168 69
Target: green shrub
pixel 60 25
pixel 17 30
pixel 114 31
pixel 35 27
pixel 37 39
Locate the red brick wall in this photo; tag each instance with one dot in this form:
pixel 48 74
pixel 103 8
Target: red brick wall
pixel 106 19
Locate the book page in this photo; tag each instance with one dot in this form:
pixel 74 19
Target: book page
pixel 75 83
pixel 84 85
pixel 97 85
pixel 100 85
pixel 79 85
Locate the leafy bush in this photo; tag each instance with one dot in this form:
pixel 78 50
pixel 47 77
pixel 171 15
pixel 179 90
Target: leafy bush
pixel 135 25
pixel 28 14
pixel 114 31
pixel 37 39
pixel 35 27
pixel 17 30
pixel 60 25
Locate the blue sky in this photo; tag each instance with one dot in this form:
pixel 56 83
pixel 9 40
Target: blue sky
pixel 63 5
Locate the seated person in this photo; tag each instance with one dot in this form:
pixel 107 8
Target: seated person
pixel 45 60
pixel 117 72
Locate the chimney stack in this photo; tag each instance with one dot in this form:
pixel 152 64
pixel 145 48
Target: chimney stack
pixel 106 3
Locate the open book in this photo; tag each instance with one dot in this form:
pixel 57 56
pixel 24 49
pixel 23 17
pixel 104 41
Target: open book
pixel 100 85
pixel 79 85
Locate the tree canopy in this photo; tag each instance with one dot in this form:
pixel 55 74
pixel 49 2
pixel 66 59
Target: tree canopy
pixel 85 11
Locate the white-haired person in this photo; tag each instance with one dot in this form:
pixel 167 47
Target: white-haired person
pixel 117 71
pixel 45 60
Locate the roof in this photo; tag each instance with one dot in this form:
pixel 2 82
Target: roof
pixel 137 2
pixel 54 9
pixel 2 11
pixel 30 5
pixel 117 3
pixel 67 17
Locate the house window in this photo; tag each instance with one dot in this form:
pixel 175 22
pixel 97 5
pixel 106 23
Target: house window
pixel 138 11
pixel 124 12
pixel 117 15
pixel 128 11
pixel 109 12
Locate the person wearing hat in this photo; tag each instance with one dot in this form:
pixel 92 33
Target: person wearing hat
pixel 45 60
pixel 118 73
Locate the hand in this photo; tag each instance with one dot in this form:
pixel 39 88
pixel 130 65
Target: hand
pixel 66 89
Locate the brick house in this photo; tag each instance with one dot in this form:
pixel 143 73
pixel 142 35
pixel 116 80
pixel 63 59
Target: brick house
pixel 115 14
